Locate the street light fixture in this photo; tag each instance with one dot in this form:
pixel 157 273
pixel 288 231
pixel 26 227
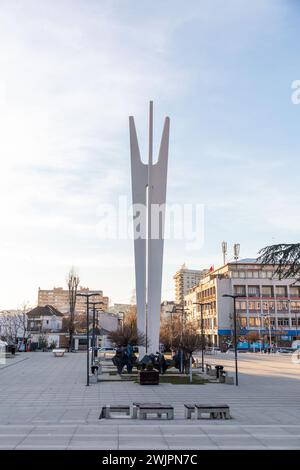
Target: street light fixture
pixel 296 318
pixel 183 312
pixel 87 295
pixel 93 330
pixel 234 297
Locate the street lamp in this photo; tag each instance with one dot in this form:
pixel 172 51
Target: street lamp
pixel 296 319
pixel 93 331
pixel 268 315
pixel 234 297
pixel 202 329
pixel 87 295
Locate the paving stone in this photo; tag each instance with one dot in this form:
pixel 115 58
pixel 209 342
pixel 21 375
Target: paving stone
pixel 46 404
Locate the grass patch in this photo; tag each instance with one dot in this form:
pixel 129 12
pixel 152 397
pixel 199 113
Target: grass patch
pixel 182 380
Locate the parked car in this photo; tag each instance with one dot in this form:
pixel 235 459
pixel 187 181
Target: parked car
pixel 284 350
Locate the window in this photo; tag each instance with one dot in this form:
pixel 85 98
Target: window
pixel 294 291
pixel 294 321
pixel 295 306
pixel 244 322
pixel 254 306
pixel 283 322
pixel 252 322
pixel 241 305
pixel 253 291
pixel 281 291
pixel 282 306
pixel 240 290
pixel 266 291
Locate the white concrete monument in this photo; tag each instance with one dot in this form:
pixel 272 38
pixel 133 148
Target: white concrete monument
pixel 149 183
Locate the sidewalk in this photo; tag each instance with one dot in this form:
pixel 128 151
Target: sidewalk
pixel 45 404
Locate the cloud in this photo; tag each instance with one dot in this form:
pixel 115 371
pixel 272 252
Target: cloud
pixel 71 73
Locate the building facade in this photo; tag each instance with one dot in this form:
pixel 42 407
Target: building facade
pixel 186 279
pixel 59 298
pixel 264 304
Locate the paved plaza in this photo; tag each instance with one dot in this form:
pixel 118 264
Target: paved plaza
pixel 46 405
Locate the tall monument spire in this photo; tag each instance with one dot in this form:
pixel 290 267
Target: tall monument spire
pixel 149 183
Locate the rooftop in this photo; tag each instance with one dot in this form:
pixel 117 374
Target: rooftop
pixel 46 311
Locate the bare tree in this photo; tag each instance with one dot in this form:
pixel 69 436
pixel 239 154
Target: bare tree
pixel 23 320
pixel 10 323
pixel 285 257
pixel 125 335
pixel 128 332
pixel 73 282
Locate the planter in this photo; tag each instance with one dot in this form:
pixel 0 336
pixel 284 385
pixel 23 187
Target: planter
pixel 148 377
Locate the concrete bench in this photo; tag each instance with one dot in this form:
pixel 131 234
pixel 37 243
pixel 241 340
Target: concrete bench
pixel 109 411
pixel 215 411
pixel 188 410
pixel 158 410
pixel 58 352
pixel 136 406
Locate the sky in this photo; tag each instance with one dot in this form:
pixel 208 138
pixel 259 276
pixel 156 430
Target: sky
pixel 72 71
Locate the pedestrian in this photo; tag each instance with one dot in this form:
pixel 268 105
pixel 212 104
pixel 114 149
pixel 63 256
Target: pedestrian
pixel 129 358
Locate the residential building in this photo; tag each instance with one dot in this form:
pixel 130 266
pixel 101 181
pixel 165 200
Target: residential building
pixel 263 299
pixel 167 309
pixel 59 299
pixel 46 321
pixel 185 279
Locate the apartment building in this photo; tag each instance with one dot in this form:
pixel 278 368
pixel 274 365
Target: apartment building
pixel 59 299
pixel 185 279
pixel 263 300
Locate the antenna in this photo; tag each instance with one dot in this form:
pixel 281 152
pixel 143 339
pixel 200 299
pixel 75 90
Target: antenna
pixel 236 251
pixel 224 251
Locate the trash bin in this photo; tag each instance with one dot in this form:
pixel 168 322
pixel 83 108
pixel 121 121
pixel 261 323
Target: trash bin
pixel 94 369
pixel 13 350
pixel 218 369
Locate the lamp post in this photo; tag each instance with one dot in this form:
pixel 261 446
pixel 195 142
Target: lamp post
pixel 234 297
pixel 87 295
pixel 93 330
pixel 202 329
pixel 296 318
pixel 182 311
